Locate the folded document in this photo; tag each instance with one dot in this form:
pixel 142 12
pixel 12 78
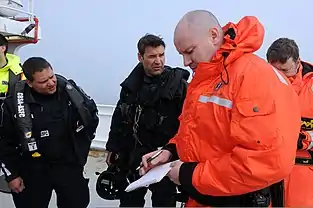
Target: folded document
pixel 154 175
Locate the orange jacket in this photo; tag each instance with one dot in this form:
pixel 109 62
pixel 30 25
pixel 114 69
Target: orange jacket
pixel 298 185
pixel 302 83
pixel 238 135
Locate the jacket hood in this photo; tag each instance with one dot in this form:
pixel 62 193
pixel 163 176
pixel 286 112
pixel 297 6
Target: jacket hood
pixel 244 37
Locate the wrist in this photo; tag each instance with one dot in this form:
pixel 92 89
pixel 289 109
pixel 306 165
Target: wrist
pixel 171 148
pixel 168 154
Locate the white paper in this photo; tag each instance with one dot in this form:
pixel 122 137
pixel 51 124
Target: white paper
pixel 154 175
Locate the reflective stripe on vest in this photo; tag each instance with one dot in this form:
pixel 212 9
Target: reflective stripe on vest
pixel 23 113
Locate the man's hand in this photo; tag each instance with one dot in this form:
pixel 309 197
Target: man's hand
pixel 17 185
pixel 173 174
pixel 164 157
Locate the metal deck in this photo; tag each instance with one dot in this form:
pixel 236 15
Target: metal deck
pixel 96 162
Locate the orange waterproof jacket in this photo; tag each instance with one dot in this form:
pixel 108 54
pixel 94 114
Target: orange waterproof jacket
pixel 240 121
pixel 302 83
pixel 298 185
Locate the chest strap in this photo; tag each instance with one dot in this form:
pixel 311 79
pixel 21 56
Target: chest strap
pixel 304 161
pixel 23 119
pixel 77 97
pixel 13 79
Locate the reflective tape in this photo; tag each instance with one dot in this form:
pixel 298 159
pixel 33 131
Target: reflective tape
pixel 216 100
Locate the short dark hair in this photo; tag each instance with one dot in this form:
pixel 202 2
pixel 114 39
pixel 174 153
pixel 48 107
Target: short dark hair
pixel 33 65
pixel 4 42
pixel 149 40
pixel 281 50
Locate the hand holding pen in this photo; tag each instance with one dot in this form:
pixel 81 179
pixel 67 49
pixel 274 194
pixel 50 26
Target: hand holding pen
pixel 153 159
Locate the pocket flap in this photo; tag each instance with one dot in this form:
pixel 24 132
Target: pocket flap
pixel 250 108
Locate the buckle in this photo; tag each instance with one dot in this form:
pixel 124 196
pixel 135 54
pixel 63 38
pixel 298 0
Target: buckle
pixel 304 161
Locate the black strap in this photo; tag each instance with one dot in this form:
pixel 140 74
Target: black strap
pixel 23 118
pixel 304 161
pixel 77 99
pixel 13 79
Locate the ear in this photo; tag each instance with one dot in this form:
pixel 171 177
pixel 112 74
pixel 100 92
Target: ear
pixel 140 58
pixel 298 63
pixel 2 49
pixel 29 83
pixel 214 35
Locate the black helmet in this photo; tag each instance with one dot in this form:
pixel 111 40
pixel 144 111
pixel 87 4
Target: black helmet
pixel 111 183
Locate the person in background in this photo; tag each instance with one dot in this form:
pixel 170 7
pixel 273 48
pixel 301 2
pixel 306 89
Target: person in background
pixel 10 73
pixel 10 68
pixel 284 55
pixel 48 125
pixel 240 120
pixel 146 117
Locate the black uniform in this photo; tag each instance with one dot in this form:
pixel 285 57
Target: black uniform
pixel 63 148
pixel 145 118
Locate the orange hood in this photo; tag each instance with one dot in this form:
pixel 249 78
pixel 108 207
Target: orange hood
pixel 244 37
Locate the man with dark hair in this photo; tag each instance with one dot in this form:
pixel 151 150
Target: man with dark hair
pixel 283 54
pixel 146 117
pixel 49 123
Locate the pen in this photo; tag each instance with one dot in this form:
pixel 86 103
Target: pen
pixel 150 159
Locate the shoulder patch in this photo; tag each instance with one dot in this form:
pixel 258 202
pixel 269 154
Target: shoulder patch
pixel 69 87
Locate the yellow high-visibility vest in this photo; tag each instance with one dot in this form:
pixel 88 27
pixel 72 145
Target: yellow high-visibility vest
pixel 12 72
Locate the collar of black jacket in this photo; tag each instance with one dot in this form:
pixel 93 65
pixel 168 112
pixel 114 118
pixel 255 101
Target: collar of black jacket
pixel 31 96
pixel 135 79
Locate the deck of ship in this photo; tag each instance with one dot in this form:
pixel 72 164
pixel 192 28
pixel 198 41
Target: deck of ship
pixel 96 162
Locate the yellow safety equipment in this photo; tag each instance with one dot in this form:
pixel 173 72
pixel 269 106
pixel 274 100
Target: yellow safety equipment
pixel 10 74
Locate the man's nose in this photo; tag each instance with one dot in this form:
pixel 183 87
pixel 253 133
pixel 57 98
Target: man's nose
pixel 187 61
pixel 157 60
pixel 50 82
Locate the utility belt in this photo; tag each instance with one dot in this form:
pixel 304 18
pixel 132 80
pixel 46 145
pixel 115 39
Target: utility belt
pixel 270 196
pixel 305 159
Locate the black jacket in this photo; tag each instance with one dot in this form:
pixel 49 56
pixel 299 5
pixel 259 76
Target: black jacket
pixel 55 123
pixel 161 99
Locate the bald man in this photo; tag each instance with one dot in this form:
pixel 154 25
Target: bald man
pixel 240 120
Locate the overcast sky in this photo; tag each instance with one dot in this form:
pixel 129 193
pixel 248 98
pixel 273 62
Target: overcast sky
pixel 94 42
